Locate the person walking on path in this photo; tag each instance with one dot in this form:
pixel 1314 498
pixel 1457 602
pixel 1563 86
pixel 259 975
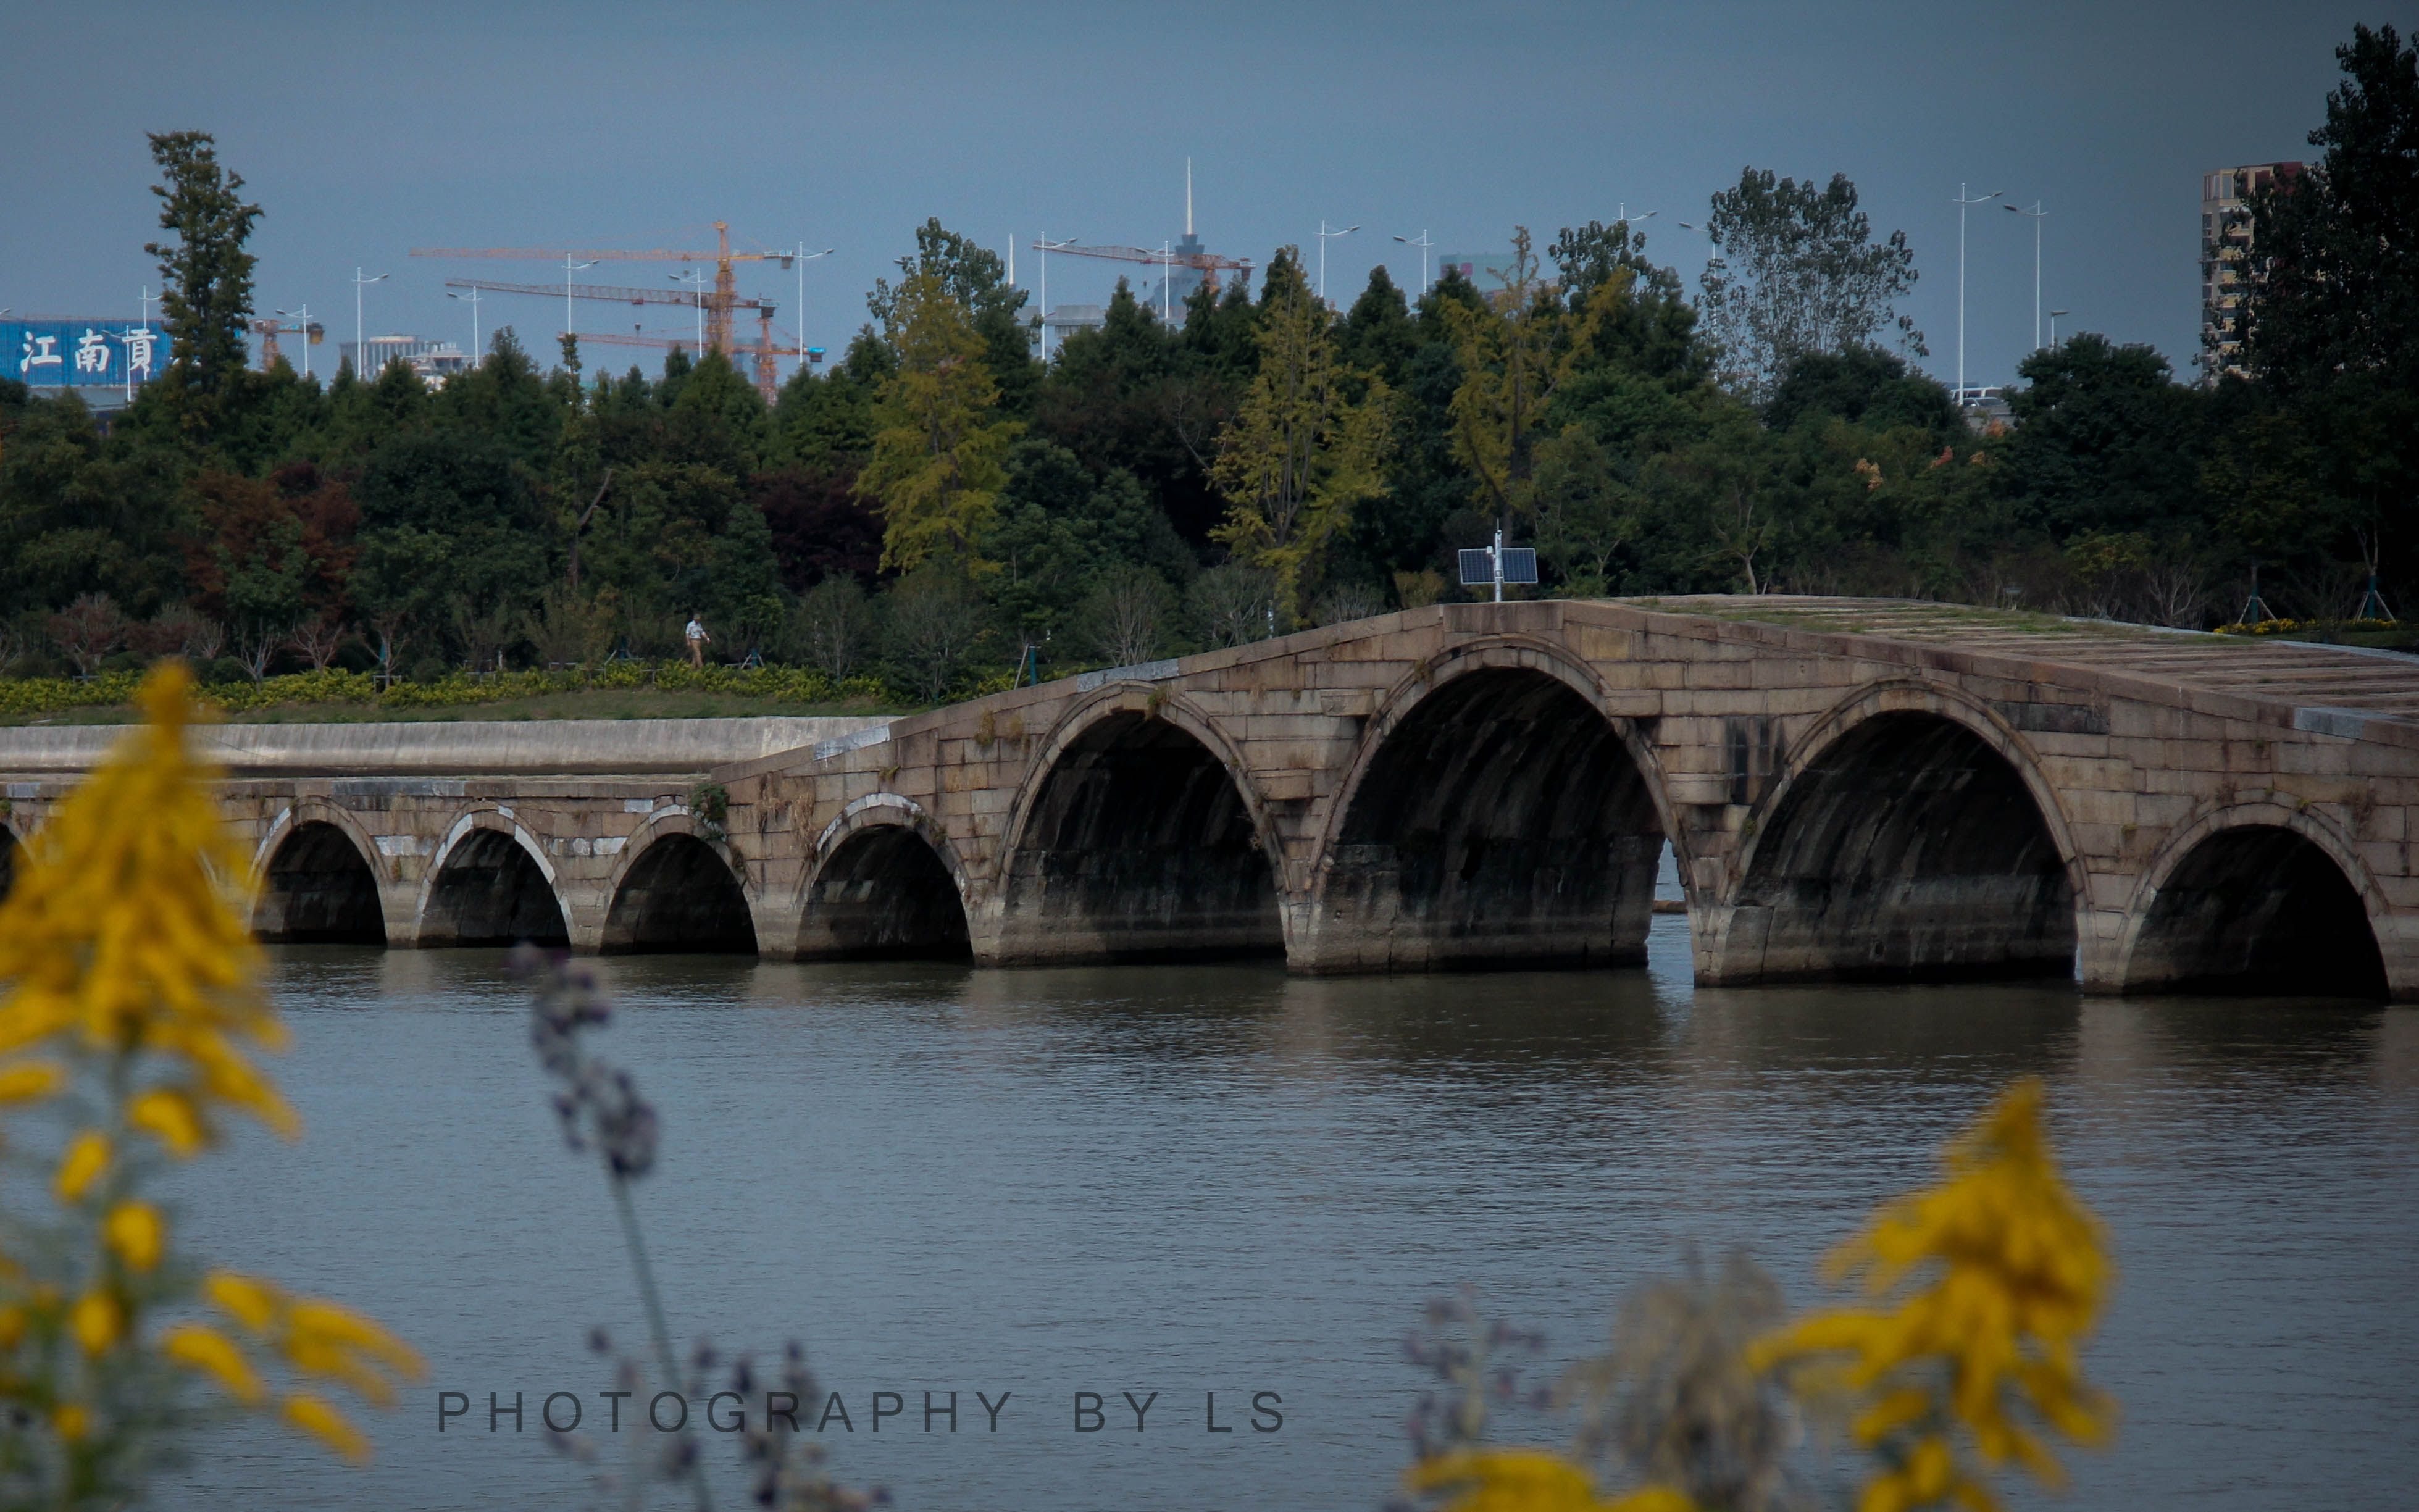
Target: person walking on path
pixel 698 640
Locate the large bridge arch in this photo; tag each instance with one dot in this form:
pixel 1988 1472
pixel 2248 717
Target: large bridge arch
pixel 884 884
pixel 2258 897
pixel 673 890
pixel 1495 813
pixel 1910 834
pixel 1137 835
pixel 489 883
pixel 317 877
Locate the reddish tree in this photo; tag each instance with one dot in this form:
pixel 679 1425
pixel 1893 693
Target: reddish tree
pixel 242 518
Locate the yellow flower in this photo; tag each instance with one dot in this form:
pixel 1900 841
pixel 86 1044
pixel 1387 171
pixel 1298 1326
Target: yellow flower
pixel 1526 1480
pixel 136 1232
pixel 72 1422
pixel 97 1320
pixel 87 1157
pixel 169 1116
pixel 252 1302
pixel 1987 1284
pixel 207 1349
pixel 313 1416
pixel 29 1080
pixel 124 928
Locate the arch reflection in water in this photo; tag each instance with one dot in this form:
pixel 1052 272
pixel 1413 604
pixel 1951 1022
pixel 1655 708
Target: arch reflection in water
pixel 1139 847
pixel 2258 909
pixel 1909 850
pixel 491 891
pixel 1503 823
pixel 320 889
pixel 883 895
pixel 680 896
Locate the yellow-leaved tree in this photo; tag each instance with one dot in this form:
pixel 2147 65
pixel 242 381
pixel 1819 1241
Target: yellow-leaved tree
pixel 1301 451
pixel 940 455
pixel 130 1009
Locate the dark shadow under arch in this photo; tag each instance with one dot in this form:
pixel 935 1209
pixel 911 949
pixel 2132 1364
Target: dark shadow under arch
pixel 1503 824
pixel 2258 909
pixel 679 896
pixel 491 892
pixel 883 895
pixel 7 859
pixel 1909 851
pixel 1138 846
pixel 318 889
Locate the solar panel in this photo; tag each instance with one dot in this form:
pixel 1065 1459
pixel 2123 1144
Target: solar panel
pixel 1476 570
pixel 1519 564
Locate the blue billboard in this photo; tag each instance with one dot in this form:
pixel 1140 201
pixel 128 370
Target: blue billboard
pixel 81 354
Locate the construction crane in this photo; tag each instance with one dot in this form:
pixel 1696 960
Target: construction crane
pixel 763 351
pixel 766 380
pixel 269 328
pixel 720 304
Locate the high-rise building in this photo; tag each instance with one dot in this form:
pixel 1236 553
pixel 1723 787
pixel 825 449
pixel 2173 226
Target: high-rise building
pixel 2225 243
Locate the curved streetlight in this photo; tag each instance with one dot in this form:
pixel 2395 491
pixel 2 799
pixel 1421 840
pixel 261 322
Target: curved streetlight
pixel 570 268
pixel 1325 236
pixel 1044 245
pixel 805 257
pixel 302 315
pixel 1424 244
pixel 1963 203
pixel 695 277
pixel 471 299
pixel 2037 215
pixel 360 352
pixel 2053 324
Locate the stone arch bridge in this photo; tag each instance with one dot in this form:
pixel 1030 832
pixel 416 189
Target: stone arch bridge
pixel 1851 789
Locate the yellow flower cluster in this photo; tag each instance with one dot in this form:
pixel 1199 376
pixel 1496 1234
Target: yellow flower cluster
pixel 131 987
pixel 1528 1480
pixel 122 934
pixel 1984 1287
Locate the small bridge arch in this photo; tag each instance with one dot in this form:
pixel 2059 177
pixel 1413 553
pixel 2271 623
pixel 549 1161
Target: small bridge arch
pixel 319 876
pixel 1909 836
pixel 886 885
pixel 1137 835
pixel 489 883
pixel 1495 813
pixel 674 889
pixel 2258 897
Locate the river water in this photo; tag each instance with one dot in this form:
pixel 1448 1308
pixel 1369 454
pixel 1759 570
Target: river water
pixel 1196 1179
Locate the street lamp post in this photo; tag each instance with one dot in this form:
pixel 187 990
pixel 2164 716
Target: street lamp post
pixel 471 299
pixel 695 277
pixel 805 257
pixel 2053 326
pixel 1044 245
pixel 1166 276
pixel 1963 205
pixel 1325 236
pixel 1424 244
pixel 2037 215
pixel 570 268
pixel 302 315
pixel 361 349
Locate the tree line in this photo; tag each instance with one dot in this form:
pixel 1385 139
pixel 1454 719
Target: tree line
pixel 943 504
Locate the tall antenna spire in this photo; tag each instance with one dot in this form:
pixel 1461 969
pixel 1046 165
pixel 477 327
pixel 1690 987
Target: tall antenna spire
pixel 1188 196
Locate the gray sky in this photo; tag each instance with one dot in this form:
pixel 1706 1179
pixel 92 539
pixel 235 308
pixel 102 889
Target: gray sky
pixel 366 131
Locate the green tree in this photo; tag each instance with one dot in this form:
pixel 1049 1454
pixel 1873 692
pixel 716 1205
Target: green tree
pixel 1796 270
pixel 208 274
pixel 1301 453
pixel 976 278
pixel 938 463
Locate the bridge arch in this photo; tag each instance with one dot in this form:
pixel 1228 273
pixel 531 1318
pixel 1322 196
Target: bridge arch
pixel 317 875
pixel 886 885
pixel 2258 897
pixel 672 890
pixel 1909 836
pixel 9 859
pixel 489 883
pixel 1495 814
pixel 1137 835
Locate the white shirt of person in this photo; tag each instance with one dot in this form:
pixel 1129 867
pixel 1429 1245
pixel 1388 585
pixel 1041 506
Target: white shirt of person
pixel 696 631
